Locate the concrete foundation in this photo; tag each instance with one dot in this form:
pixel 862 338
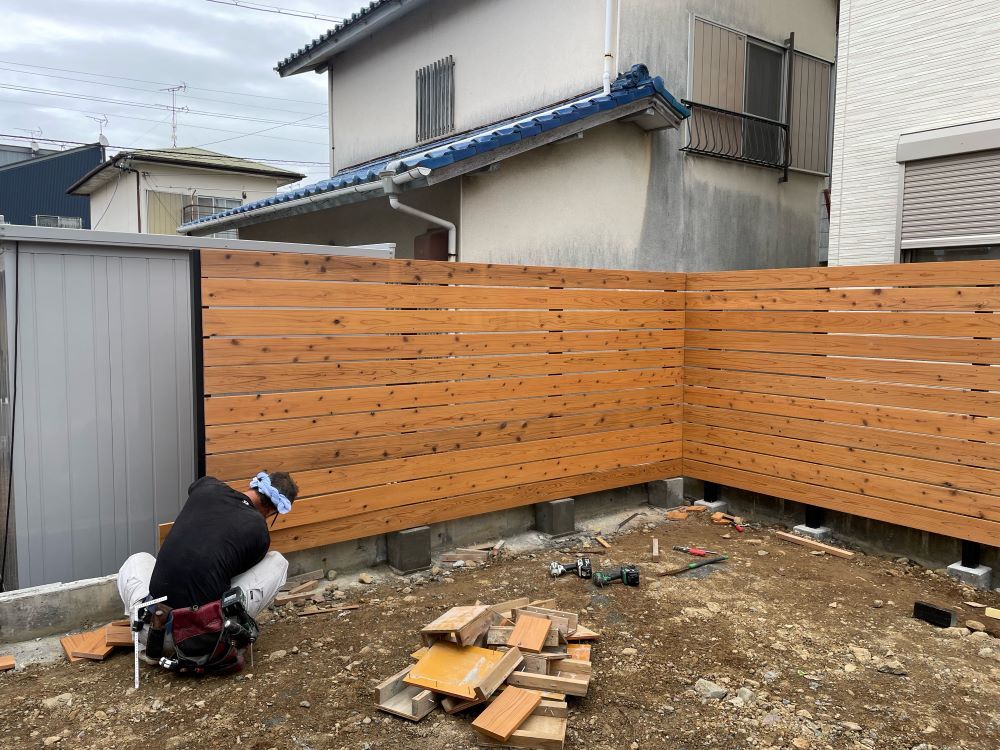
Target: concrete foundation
pixel 819 533
pixel 58 608
pixel 410 550
pixel 717 506
pixel 556 517
pixel 666 493
pixel 980 577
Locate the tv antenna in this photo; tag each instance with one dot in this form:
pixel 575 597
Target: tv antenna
pixel 35 135
pixel 102 123
pixel 174 109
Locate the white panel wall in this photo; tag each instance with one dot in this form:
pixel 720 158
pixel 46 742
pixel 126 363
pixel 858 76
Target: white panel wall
pixel 903 66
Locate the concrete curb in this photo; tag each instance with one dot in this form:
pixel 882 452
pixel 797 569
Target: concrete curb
pixel 58 608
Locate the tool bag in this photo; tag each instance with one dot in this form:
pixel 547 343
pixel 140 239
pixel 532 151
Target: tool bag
pixel 202 645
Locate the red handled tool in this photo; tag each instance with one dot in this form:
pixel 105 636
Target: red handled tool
pixel 697 551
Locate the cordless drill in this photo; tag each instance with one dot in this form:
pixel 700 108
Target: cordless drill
pixel 581 567
pixel 627 574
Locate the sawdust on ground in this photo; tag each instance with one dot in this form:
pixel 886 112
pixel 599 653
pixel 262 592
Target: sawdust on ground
pixel 816 644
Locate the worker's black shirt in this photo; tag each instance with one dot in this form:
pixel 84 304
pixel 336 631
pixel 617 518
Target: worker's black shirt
pixel 217 536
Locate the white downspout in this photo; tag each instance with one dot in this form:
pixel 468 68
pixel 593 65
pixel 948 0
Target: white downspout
pixel 609 52
pixel 389 187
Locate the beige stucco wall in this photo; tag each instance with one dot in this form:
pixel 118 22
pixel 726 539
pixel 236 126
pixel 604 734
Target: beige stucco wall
pixel 118 206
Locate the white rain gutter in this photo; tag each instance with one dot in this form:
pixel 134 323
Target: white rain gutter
pixel 389 186
pixel 609 52
pixel 333 196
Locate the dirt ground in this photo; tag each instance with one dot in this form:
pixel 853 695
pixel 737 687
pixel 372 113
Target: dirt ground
pixel 814 651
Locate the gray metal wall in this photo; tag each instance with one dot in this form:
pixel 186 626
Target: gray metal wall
pixel 104 433
pixel 104 429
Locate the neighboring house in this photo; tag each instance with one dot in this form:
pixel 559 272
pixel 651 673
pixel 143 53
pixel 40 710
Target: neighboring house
pixel 490 115
pixel 33 185
pixel 916 155
pixel 9 153
pixel 155 191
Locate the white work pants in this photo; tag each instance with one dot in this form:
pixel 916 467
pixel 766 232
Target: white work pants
pixel 260 583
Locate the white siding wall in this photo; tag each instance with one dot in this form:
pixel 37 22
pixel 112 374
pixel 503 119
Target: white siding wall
pixel 903 65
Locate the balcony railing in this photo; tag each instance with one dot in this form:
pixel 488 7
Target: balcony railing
pixel 713 131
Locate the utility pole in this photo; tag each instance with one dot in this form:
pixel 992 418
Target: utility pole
pixel 173 109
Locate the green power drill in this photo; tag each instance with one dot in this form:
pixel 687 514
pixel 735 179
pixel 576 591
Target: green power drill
pixel 627 574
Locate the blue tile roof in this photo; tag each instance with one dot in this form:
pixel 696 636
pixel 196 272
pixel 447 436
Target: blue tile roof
pixel 628 87
pixel 356 17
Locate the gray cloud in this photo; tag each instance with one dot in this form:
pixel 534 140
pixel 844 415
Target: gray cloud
pixel 206 45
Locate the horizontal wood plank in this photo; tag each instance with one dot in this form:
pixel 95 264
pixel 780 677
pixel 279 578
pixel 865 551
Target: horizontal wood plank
pixel 882 323
pixel 250 435
pixel 588 426
pixel 261 378
pixel 877 347
pixel 288 349
pixel 956 273
pixel 956 299
pixel 280 293
pixel 848 368
pixel 315 403
pixel 315 267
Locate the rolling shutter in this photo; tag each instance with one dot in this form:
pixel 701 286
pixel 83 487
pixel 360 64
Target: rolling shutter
pixel 953 196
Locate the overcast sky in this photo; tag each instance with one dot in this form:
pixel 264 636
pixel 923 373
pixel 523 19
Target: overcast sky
pixel 225 55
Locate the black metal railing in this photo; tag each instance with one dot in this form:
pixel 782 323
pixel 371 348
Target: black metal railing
pixel 725 134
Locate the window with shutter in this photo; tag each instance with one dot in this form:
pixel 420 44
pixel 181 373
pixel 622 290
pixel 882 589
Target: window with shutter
pixel 436 99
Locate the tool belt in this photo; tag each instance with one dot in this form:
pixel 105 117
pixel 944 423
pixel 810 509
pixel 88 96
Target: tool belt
pixel 203 644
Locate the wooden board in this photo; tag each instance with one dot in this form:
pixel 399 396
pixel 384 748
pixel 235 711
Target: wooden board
pixel 507 712
pixel 499 635
pixel 570 684
pixel 464 672
pixel 814 545
pixel 538 731
pixel 461 625
pixel 89 645
pixel 529 633
pixel 118 635
pixel 579 651
pixel 394 696
pixel 572 619
pixel 583 633
pixel 7 663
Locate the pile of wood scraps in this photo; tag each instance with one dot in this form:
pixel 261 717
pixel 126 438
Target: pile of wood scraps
pixel 98 644
pixel 512 664
pixel 681 512
pixel 481 553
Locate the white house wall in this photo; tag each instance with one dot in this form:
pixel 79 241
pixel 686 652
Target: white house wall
pixel 904 66
pixel 120 216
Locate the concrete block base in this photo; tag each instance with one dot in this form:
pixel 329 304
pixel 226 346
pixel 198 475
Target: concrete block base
pixel 556 517
pixel 666 493
pixel 980 577
pixel 409 550
pixel 719 506
pixel 818 533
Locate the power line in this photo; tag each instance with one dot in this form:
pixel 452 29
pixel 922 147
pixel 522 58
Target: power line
pixel 161 107
pixel 162 121
pixel 178 152
pixel 153 83
pixel 244 135
pixel 152 91
pixel 243 5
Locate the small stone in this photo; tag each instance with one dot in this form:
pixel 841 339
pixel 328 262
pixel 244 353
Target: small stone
pixel 801 742
pixel 745 694
pixel 52 740
pixel 833 605
pixel 979 635
pixel 295 649
pixel 279 654
pixel 366 579
pixel 339 595
pixel 305 704
pixel 409 599
pixel 860 654
pixel 815 553
pixel 727 536
pixel 63 699
pixel 366 720
pixel 762 552
pixel 157 705
pixel 709 689
pixel 975 625
pixel 100 715
pixel 850 726
pixel 634 745
pixel 956 632
pixel 629 652
pixel 198 704
pixel 458 564
pixel 849 667
pixel 331 574
pixel 878 604
pixel 892 666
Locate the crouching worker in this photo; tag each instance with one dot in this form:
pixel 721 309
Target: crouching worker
pixel 215 572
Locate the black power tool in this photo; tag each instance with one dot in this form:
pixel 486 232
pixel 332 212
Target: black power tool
pixel 627 574
pixel 580 567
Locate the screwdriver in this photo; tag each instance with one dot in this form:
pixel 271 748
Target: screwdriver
pixel 696 551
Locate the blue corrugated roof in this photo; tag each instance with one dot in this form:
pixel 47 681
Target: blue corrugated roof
pixel 628 87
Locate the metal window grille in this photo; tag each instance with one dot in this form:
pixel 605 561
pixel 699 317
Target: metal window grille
pixel 436 99
pixel 62 222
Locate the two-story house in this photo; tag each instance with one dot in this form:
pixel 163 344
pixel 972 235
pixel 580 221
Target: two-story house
pixel 506 125
pixel 916 161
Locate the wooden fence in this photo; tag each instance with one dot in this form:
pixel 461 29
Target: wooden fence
pixel 408 392
pixel 871 390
